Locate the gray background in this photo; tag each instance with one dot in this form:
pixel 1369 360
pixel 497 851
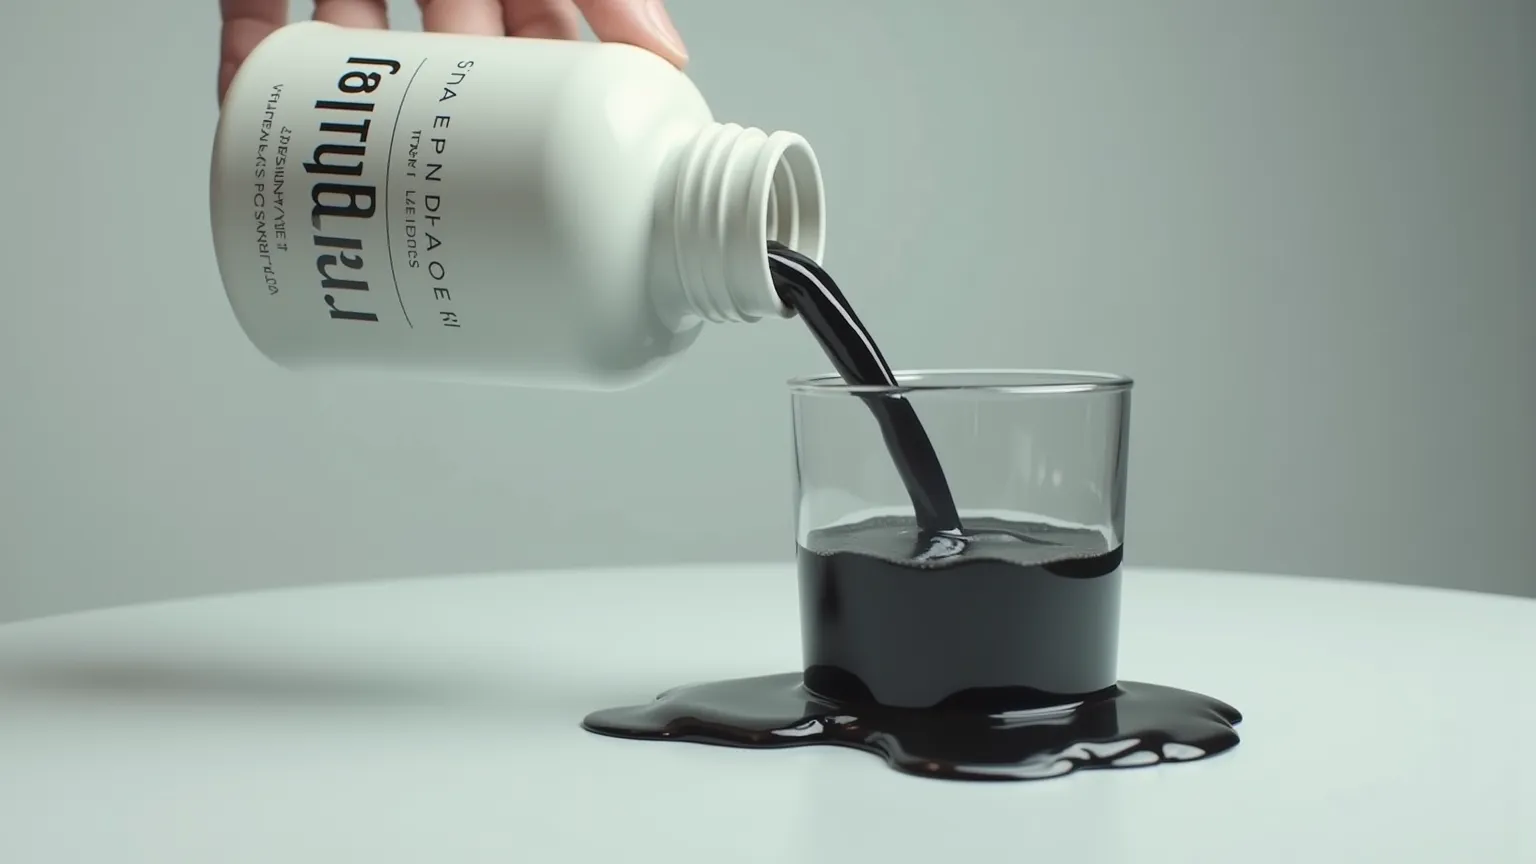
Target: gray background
pixel 1308 228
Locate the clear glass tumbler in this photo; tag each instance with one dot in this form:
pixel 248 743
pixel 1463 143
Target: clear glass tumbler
pixel 1018 606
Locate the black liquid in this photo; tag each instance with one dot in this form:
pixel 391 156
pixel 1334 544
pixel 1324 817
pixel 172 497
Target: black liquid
pixel 1025 616
pixel 983 651
pixel 811 292
pixel 996 663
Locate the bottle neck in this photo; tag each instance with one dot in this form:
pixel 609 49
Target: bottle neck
pixel 726 193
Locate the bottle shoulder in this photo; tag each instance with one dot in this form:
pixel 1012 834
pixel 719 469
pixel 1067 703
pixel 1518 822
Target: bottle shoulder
pixel 619 95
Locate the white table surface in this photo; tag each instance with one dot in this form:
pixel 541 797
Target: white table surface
pixel 435 721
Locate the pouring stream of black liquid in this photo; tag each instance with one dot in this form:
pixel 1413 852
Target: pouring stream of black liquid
pixel 807 289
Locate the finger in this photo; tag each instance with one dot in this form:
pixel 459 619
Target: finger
pixel 480 17
pixel 542 19
pixel 246 23
pixel 643 23
pixel 353 13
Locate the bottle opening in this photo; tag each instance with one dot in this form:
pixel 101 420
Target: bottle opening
pixel 787 195
pixel 794 212
pixel 734 190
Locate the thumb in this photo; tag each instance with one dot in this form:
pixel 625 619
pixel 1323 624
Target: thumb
pixel 642 23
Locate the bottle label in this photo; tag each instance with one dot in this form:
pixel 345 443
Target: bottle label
pixel 352 208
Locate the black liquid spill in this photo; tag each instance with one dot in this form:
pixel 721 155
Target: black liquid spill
pixel 807 289
pixel 994 663
pixel 981 652
pixel 1131 726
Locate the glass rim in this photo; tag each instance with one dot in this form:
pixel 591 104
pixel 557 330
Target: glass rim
pixel 1020 382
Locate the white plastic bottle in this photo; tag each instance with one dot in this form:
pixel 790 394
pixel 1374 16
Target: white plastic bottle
pixel 521 211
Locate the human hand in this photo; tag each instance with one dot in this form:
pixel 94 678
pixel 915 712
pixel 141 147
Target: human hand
pixel 643 23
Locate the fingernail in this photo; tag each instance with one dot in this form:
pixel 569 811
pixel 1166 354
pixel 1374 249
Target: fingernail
pixel 662 26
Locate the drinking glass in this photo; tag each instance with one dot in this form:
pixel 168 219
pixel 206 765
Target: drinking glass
pixel 1019 607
